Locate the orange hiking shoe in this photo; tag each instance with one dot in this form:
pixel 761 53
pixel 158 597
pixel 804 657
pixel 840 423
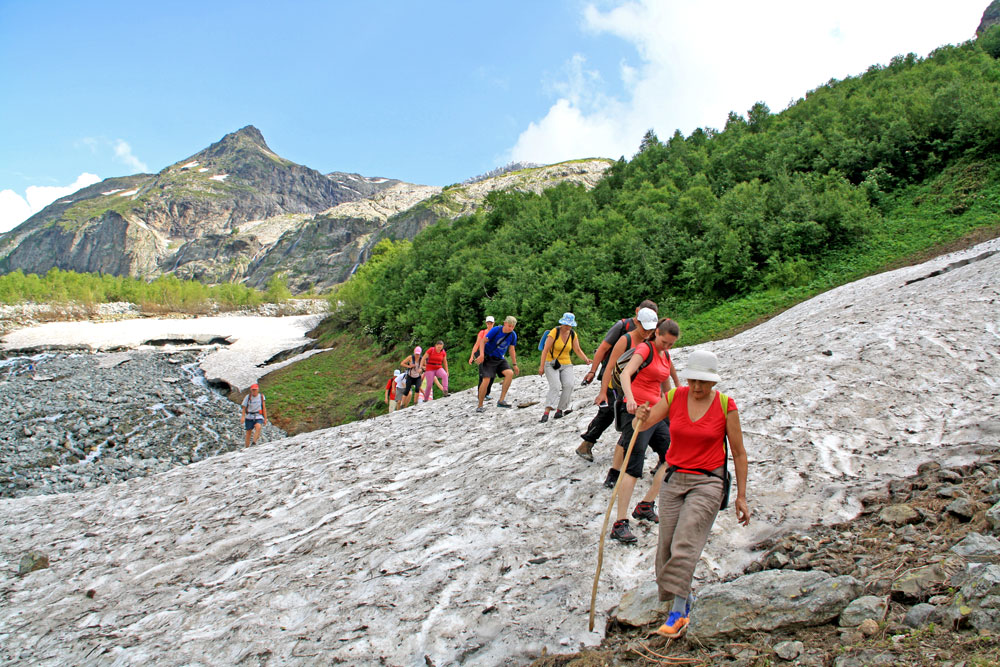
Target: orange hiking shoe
pixel 674 627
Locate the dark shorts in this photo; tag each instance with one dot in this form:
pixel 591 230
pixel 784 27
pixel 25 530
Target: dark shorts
pixel 656 438
pixel 250 422
pixel 412 383
pixel 494 366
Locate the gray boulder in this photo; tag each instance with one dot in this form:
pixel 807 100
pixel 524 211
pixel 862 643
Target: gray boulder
pixel 641 606
pixel 899 515
pixel 978 600
pixel 769 600
pixel 920 615
pixel 993 516
pixel 864 608
pixel 978 547
pixel 919 584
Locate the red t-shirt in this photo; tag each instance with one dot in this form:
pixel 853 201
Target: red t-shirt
pixel 697 444
pixel 646 383
pixel 391 387
pixel 435 358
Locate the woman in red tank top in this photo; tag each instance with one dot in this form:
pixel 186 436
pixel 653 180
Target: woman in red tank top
pixel 692 496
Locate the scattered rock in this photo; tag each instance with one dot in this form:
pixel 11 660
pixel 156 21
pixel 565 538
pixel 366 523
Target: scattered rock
pixel 962 508
pixel 920 615
pixel 868 627
pixel 899 515
pixel 864 608
pixel 919 584
pixel 789 650
pixel 640 606
pixel 976 546
pixel 32 561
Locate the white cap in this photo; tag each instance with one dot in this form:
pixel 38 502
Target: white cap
pixel 647 318
pixel 489 318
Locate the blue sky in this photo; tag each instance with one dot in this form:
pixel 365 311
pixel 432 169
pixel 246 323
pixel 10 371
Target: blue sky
pixel 427 92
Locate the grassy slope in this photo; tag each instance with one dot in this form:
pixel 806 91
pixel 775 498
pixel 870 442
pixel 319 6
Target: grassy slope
pixel 956 209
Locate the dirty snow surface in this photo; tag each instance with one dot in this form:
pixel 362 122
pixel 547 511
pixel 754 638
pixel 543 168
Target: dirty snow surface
pixel 248 342
pixel 438 535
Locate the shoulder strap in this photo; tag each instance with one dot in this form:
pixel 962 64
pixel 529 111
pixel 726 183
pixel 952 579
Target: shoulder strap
pixel 670 396
pixel 724 400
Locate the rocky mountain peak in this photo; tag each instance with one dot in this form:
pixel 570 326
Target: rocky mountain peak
pixel 244 144
pixel 991 17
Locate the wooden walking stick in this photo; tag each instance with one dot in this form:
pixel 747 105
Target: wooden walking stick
pixel 636 427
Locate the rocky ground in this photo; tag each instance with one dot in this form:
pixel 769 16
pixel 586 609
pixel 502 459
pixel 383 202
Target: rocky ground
pixel 78 420
pixel 914 580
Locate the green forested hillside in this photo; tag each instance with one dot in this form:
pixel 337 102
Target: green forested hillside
pixel 721 227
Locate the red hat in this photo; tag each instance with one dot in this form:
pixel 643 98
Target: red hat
pixel 254 386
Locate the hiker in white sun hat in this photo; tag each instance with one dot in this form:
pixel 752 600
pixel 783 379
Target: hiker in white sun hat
pixel 703 423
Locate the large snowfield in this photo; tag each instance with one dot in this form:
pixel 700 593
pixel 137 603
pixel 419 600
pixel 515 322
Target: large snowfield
pixel 439 534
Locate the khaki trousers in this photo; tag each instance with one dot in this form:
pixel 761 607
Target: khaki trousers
pixel 688 505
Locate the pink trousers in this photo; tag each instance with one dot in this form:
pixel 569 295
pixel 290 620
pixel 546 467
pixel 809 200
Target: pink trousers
pixel 429 380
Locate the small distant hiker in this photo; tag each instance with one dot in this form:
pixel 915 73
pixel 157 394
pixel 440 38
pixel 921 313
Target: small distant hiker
pixel 435 365
pixel 557 367
pixel 490 352
pixel 605 409
pixel 400 386
pixel 254 414
pixel 390 390
pixel 703 423
pixel 414 376
pixel 472 355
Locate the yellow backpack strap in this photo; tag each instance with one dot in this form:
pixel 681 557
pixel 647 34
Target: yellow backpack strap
pixel 724 400
pixel 670 396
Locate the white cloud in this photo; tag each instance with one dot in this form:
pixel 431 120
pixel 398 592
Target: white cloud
pixel 15 209
pixel 121 149
pixel 123 153
pixel 698 61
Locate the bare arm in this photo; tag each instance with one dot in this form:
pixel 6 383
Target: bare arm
pixel 599 354
pixel 513 358
pixel 631 368
pixel 673 376
pixel 545 353
pixel 579 350
pixel 477 350
pixel 263 408
pixel 735 434
pixel 444 363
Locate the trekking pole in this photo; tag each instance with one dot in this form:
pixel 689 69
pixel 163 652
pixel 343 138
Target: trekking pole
pixel 636 424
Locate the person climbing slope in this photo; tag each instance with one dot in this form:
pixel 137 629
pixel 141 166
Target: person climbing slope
pixel 254 414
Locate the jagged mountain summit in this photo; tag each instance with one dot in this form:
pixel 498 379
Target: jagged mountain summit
pixel 436 535
pixel 238 211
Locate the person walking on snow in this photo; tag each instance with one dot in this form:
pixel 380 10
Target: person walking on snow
pixel 435 365
pixel 557 366
pixel 490 353
pixel 605 409
pixel 472 355
pixel 254 414
pixel 390 390
pixel 645 379
pixel 414 376
pixel 702 421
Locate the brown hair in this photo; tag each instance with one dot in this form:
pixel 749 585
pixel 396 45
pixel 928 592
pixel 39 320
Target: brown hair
pixel 667 326
pixel 650 304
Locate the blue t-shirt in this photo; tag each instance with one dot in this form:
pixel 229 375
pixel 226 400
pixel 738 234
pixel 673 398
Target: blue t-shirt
pixel 497 342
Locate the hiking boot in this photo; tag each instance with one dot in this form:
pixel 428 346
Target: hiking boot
pixel 480 409
pixel 503 404
pixel 621 532
pixel 611 479
pixel 559 414
pixel 567 411
pixel 674 627
pixel 645 512
pixel 586 451
pixel 545 417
